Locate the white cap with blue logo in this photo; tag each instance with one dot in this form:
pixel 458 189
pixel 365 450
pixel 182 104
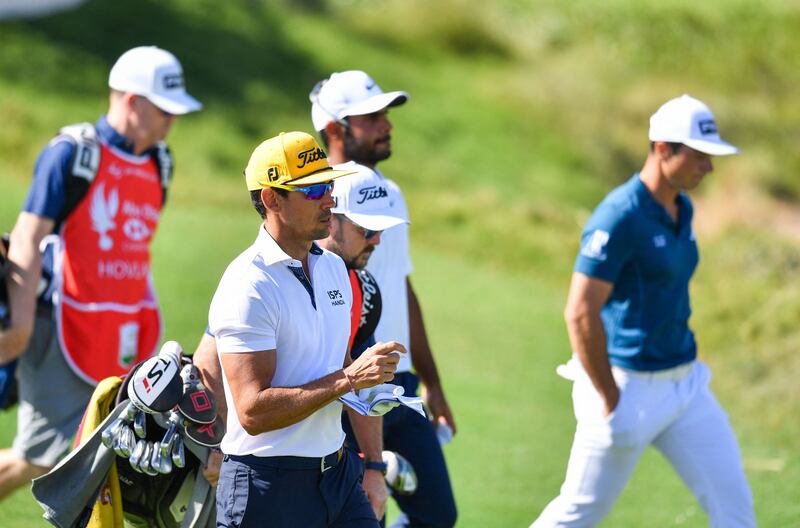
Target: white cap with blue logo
pixel 155 74
pixel 689 121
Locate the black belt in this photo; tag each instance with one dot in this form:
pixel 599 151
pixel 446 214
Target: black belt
pixel 321 464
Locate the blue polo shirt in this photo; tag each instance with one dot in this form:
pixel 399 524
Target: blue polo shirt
pixel 632 242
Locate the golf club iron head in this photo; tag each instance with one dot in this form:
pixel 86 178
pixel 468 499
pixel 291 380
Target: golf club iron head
pixel 178 453
pixel 140 423
pixel 158 462
pixel 147 468
pixel 129 414
pixel 116 445
pixel 145 458
pixel 161 463
pixel 124 442
pixel 138 453
pixel 165 447
pixel 109 433
pixel 131 441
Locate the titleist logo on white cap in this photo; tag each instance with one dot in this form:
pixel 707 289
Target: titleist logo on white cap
pixel 365 198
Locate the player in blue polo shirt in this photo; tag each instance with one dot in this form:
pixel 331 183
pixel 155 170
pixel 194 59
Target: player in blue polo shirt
pixel 636 378
pixel 632 242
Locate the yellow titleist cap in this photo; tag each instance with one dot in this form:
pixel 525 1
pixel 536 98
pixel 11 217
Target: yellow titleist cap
pixel 291 158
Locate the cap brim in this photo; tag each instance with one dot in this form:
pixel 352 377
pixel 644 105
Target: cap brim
pixel 374 222
pixel 375 103
pixel 178 104
pixel 712 148
pixel 320 177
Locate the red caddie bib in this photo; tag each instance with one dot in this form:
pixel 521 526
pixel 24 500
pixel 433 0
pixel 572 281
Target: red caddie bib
pixel 355 309
pixel 107 313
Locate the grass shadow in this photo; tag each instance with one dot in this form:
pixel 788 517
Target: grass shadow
pixel 225 49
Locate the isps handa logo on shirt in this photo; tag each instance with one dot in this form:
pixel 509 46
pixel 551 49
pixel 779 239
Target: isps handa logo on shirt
pixel 335 297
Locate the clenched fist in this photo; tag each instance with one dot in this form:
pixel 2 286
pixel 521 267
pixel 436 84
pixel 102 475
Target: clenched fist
pixel 376 365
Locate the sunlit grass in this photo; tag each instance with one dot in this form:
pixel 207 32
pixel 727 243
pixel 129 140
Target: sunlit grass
pixel 522 115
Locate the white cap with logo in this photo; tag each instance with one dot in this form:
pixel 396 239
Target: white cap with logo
pixel 689 121
pixel 349 93
pixel 365 199
pixel 156 74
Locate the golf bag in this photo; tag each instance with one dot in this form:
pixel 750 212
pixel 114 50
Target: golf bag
pixel 8 386
pixel 8 382
pixel 117 474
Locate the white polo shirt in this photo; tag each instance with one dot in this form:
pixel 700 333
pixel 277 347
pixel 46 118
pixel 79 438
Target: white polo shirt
pixel 264 302
pixel 390 264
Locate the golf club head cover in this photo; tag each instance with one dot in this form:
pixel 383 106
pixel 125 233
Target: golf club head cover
pixel 197 404
pixel 208 435
pixel 156 385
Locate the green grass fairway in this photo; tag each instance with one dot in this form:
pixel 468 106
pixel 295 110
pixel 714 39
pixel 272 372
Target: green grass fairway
pixel 498 338
pixel 522 116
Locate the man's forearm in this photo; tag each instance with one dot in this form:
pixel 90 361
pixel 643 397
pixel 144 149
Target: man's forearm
pixel 279 407
pixel 24 276
pixel 421 356
pixel 369 433
pixel 206 360
pixel 588 339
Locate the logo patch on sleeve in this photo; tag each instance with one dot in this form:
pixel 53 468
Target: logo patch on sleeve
pixel 595 246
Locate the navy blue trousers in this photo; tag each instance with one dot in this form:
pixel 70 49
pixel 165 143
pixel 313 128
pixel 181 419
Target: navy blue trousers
pixel 411 435
pixel 292 492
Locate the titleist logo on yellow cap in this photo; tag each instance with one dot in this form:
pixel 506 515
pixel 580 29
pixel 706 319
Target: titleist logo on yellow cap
pixel 291 158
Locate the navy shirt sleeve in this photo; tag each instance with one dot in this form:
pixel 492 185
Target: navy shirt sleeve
pixel 606 242
pixel 47 194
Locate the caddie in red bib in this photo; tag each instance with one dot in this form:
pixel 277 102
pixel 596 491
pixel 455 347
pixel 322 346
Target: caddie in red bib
pixel 108 318
pixel 87 224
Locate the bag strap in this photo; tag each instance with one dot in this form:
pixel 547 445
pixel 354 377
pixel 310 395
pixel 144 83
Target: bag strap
pixel 85 163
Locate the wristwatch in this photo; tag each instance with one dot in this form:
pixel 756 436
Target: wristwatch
pixel 377 466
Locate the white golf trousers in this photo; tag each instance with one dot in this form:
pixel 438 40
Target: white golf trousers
pixel 675 411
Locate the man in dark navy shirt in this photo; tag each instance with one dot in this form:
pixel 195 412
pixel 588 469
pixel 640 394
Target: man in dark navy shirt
pixel 104 316
pixel 637 380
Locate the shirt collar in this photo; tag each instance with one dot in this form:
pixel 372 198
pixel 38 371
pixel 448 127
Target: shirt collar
pixel 273 253
pixel 113 138
pixel 655 209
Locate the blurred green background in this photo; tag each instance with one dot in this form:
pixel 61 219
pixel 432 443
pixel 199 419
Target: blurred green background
pixel 522 116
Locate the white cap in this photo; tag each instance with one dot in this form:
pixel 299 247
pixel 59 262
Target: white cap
pixel 689 121
pixel 156 74
pixel 349 93
pixel 364 198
